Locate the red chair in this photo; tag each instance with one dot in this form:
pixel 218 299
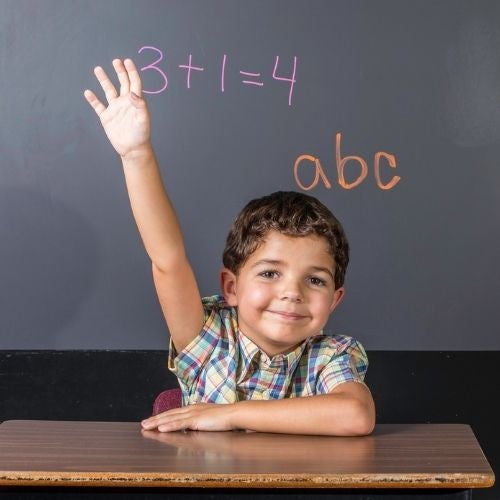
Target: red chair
pixel 167 400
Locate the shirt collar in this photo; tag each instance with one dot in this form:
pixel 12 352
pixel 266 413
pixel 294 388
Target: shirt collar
pixel 251 353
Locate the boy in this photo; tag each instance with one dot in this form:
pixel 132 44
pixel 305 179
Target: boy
pixel 260 362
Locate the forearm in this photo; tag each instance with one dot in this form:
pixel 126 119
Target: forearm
pixel 153 212
pixel 328 414
pixel 347 411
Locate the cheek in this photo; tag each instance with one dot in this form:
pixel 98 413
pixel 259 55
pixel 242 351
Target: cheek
pixel 257 295
pixel 321 305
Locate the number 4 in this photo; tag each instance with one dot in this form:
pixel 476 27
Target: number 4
pixel 292 80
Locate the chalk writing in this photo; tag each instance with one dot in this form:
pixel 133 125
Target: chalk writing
pixel 189 68
pixel 249 77
pixel 223 71
pixel 291 80
pixel 304 160
pixel 255 75
pixel 341 162
pixel 153 67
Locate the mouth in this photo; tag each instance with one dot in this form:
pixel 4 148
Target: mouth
pixel 287 315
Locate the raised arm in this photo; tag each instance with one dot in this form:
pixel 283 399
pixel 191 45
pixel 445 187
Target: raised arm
pixel 126 122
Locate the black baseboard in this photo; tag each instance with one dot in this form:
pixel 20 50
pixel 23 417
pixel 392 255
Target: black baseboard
pixel 81 385
pixel 408 387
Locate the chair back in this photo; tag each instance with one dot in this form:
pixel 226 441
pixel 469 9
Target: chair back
pixel 167 400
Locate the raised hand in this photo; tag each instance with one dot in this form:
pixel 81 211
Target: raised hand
pixel 126 118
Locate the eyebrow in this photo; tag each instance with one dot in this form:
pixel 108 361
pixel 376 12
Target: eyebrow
pixel 267 261
pixel 273 262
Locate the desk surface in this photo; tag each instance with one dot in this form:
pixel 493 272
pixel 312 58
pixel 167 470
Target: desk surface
pixel 64 453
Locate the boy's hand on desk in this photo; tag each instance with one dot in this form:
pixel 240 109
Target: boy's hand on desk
pixel 347 411
pixel 198 417
pixel 126 118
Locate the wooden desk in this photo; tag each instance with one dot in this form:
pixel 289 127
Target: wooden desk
pixel 413 459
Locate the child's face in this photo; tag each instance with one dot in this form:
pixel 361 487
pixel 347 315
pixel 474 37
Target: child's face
pixel 284 292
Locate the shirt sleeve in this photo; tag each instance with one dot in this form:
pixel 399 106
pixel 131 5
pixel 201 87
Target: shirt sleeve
pixel 190 362
pixel 348 364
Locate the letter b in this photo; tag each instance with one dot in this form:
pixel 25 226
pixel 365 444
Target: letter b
pixel 341 162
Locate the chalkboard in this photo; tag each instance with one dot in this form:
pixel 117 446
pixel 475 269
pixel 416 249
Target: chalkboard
pixel 388 111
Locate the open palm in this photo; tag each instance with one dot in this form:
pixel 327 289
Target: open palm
pixel 126 118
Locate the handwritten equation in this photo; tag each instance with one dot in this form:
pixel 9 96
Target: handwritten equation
pixel 286 77
pixel 253 78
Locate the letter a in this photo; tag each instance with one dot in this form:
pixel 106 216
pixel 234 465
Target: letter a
pixel 319 173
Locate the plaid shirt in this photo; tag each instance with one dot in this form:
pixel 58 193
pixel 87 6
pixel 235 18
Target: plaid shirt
pixel 221 365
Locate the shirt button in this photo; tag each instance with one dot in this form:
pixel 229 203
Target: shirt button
pixel 266 393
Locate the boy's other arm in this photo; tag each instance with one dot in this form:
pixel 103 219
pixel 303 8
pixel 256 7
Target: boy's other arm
pixel 348 410
pixel 126 122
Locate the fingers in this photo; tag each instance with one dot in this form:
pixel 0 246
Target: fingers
pixel 171 423
pixel 122 74
pixel 186 417
pixel 198 417
pixel 161 418
pixel 94 102
pixel 179 424
pixel 128 76
pixel 135 79
pixel 107 86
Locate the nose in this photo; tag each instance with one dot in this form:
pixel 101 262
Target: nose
pixel 291 291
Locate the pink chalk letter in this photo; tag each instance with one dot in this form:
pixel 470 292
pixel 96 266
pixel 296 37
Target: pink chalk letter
pixel 153 67
pixel 253 75
pixel 292 80
pixel 189 67
pixel 223 73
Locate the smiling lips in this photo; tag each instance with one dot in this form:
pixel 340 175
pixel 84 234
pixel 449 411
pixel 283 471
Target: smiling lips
pixel 290 316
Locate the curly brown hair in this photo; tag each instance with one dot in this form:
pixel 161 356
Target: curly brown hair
pixel 291 214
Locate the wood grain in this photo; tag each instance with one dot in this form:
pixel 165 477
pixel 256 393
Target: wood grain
pixel 62 453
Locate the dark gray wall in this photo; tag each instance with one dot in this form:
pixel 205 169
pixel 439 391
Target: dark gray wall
pixel 417 79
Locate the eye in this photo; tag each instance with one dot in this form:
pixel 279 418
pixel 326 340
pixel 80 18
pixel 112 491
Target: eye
pixel 317 281
pixel 269 274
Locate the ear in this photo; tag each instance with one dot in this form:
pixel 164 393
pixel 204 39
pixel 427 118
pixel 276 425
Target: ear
pixel 337 298
pixel 228 286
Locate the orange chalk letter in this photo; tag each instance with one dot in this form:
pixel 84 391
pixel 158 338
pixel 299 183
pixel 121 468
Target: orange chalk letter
pixel 341 162
pixel 318 174
pixel 391 160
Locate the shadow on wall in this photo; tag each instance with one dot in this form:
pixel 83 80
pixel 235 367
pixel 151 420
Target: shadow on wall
pixel 49 262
